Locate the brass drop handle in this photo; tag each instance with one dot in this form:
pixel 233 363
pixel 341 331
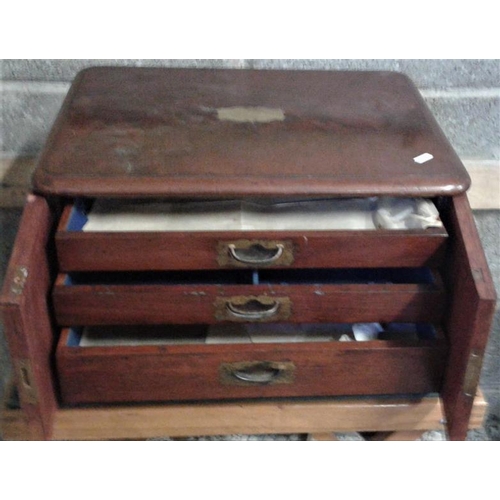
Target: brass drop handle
pixel 256 254
pixel 246 373
pixel 253 309
pixel 259 373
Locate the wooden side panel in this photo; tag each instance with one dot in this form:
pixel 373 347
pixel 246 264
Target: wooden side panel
pixel 78 305
pixel 473 301
pixel 28 328
pixel 176 373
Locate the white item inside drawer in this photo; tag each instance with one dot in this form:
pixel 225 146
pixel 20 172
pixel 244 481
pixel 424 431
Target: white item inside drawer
pixel 244 333
pixel 310 215
pixel 280 333
pixel 97 336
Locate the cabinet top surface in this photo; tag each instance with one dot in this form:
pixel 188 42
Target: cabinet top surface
pixel 224 133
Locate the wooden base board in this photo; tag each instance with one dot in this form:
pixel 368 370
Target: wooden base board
pixel 321 417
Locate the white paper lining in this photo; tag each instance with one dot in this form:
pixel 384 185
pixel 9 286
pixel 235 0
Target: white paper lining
pixel 320 215
pixel 244 334
pixel 281 333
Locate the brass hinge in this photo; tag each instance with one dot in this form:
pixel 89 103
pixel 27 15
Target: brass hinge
pixel 26 381
pixel 472 374
pixel 19 280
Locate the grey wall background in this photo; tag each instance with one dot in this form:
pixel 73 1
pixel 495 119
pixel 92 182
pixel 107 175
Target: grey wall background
pixel 464 95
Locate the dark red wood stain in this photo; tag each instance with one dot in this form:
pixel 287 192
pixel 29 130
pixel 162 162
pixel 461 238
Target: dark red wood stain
pixel 136 251
pixel 473 299
pixel 191 304
pixel 155 131
pixel 25 313
pixel 163 373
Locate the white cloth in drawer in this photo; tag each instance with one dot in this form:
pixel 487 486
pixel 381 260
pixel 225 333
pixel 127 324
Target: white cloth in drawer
pixel 406 213
pixel 272 215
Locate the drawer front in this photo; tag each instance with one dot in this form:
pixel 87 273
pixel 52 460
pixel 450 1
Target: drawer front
pixel 144 251
pixel 174 373
pixel 192 304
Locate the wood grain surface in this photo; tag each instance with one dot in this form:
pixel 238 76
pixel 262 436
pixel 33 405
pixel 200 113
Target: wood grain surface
pixel 473 300
pixel 324 415
pixel 25 311
pixel 190 372
pixel 109 304
pixel 161 131
pixel 144 251
pixel 484 193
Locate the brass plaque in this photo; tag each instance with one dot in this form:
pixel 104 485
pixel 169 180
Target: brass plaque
pixel 472 374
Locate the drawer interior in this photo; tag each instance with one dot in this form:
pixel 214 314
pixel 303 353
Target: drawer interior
pixel 347 276
pixel 423 276
pixel 157 335
pixel 359 214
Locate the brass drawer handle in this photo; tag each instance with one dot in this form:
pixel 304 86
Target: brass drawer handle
pixel 253 309
pixel 256 254
pixel 257 373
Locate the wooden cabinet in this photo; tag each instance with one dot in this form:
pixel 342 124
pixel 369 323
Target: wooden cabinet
pixel 176 135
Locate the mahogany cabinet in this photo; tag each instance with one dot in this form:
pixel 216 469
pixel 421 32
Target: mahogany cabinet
pixel 177 136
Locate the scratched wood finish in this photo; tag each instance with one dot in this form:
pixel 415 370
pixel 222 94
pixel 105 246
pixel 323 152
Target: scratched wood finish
pixel 484 193
pixel 195 304
pixel 145 251
pixel 183 372
pixel 283 416
pixel 26 318
pixel 469 320
pixel 163 251
pixel 162 132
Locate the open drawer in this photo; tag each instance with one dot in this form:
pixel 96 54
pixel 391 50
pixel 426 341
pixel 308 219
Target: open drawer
pixel 306 295
pixel 298 237
pixel 178 364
